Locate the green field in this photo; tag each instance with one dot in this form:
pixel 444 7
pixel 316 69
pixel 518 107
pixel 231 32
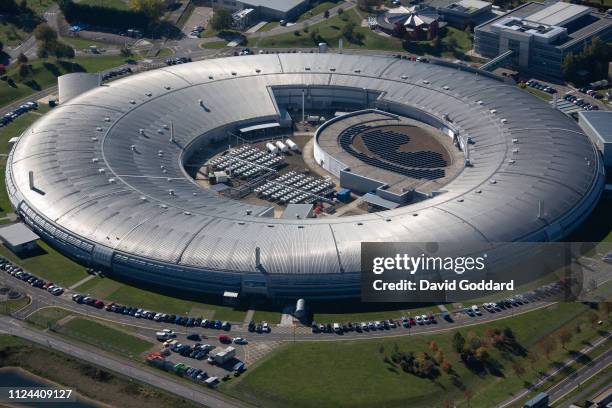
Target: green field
pixel 5 203
pixel 214 45
pixel 116 4
pixel 318 9
pixel 49 264
pixel 39 6
pixel 104 337
pixel 109 336
pixel 83 43
pixel 270 316
pixel 47 317
pixel 10 305
pixel 330 31
pixel 11 35
pixel 115 291
pixel 354 373
pixel 113 389
pixel 454 43
pixel 540 94
pixel 269 26
pixel 45 72
pixel 16 128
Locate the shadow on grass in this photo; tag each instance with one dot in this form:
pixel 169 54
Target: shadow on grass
pixel 33 85
pixel 70 66
pixel 38 251
pixel 580 357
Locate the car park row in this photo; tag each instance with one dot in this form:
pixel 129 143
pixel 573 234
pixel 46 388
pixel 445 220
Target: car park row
pixel 538 294
pixel 14 114
pixel 32 280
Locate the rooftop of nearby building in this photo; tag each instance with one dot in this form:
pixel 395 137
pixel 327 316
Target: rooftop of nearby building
pixel 17 234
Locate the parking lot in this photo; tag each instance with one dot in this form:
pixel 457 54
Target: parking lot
pixel 200 17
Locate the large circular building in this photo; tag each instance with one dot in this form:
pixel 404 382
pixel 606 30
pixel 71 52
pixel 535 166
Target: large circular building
pixel 102 177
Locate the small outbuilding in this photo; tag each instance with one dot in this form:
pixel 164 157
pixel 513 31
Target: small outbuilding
pixel 18 238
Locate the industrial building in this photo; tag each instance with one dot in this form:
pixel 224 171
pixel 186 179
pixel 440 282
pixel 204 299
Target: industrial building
pixel 266 9
pixel 101 177
pixel 536 37
pixel 18 238
pixel 598 127
pixel 462 13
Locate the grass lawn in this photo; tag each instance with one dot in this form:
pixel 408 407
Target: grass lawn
pixel 16 128
pixel 109 336
pixel 45 73
pixel 270 316
pixel 104 337
pixel 540 94
pixel 165 52
pixel 214 45
pixel 269 26
pixel 454 43
pixel 92 381
pixel 5 203
pixel 116 4
pixel 49 265
pixel 10 305
pixel 354 373
pixel 330 31
pixel 48 316
pixel 39 6
pixel 318 9
pixel 11 35
pixel 83 43
pixel 115 291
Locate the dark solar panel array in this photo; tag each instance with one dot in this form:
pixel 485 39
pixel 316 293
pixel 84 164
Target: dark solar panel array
pixel 402 167
pixel 387 143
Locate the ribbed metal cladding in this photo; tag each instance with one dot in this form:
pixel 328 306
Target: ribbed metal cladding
pixel 536 154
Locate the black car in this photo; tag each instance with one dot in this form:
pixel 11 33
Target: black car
pixel 194 337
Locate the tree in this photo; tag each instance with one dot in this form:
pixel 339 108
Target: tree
pixel 153 9
pixel 458 342
pixel 62 50
pixel 45 34
pixel 24 70
pixel 1 46
pixel 368 5
pixel 340 11
pixel 433 346
pixel 547 345
pixel 481 354
pixel 125 52
pixel 518 369
pixel 222 20
pixel 468 395
pixel 22 59
pixel 306 27
pixel 348 30
pixel 326 14
pixel 42 53
pixel 565 335
pixel 446 366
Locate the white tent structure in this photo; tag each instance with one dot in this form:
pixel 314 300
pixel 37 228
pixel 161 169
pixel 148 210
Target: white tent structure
pixel 409 17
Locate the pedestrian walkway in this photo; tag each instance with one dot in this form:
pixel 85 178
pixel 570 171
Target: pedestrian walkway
pixel 249 316
pixel 82 281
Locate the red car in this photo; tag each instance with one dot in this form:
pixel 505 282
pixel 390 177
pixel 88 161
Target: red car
pixel 98 304
pixel 225 339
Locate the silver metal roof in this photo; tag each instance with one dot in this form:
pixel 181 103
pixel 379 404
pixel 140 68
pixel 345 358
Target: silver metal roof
pixel 600 122
pixel 100 191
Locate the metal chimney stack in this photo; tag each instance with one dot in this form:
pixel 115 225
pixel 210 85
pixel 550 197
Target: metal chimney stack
pixel 257 257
